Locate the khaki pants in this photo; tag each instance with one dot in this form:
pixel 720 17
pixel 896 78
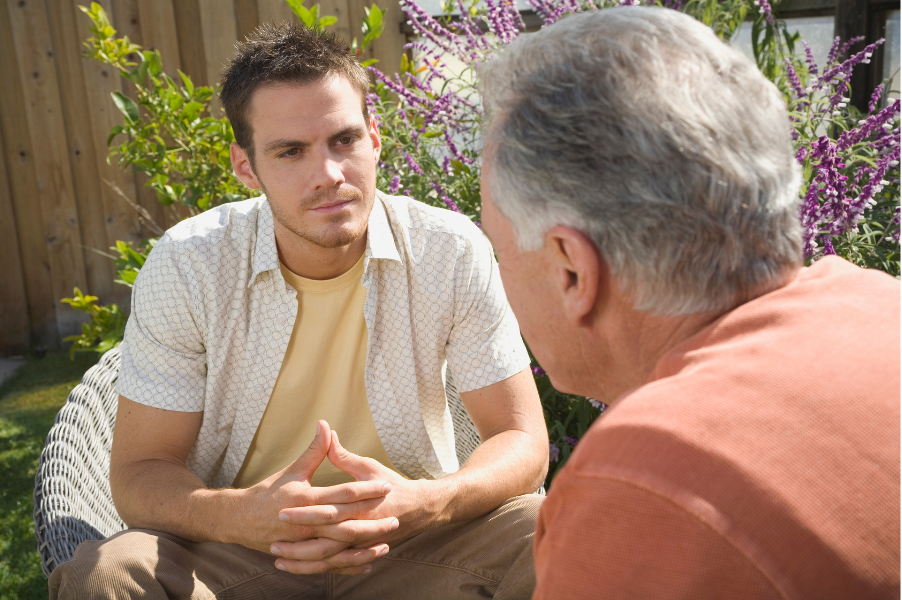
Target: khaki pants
pixel 488 557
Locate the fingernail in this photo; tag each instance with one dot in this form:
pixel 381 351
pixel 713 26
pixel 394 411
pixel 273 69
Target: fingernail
pixel 395 523
pixel 367 570
pixel 383 552
pixel 275 550
pixel 280 566
pixel 386 488
pixel 283 517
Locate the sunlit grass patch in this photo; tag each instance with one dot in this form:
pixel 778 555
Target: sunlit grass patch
pixel 29 402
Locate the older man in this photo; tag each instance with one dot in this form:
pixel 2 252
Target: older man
pixel 642 197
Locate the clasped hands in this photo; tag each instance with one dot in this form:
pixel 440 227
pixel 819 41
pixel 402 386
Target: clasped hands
pixel 337 529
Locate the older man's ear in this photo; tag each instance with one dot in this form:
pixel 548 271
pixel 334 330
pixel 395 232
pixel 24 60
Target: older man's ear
pixel 580 274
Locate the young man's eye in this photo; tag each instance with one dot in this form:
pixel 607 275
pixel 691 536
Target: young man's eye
pixel 291 152
pixel 345 141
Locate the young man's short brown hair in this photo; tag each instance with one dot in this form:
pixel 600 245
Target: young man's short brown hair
pixel 284 53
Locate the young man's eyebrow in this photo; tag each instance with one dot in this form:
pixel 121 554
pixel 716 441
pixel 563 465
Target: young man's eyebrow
pixel 283 143
pixel 357 130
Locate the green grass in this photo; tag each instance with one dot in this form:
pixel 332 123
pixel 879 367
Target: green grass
pixel 28 403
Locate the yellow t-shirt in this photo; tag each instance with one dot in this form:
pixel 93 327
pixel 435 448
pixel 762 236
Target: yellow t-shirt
pixel 322 377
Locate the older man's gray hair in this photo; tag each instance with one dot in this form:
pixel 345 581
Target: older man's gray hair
pixel 668 148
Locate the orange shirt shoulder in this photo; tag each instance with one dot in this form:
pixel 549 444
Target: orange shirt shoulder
pixel 761 461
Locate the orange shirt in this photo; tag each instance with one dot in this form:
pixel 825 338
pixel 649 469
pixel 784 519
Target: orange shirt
pixel 760 461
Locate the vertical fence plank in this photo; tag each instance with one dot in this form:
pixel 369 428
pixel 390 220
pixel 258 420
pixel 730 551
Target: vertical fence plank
pixel 190 39
pixel 220 34
pixel 343 28
pixel 275 11
pixel 158 32
pixel 19 164
pixel 14 329
pixel 99 270
pixel 38 78
pixel 246 17
pixel 19 160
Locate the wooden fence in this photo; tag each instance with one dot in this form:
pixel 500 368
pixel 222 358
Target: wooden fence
pixel 57 211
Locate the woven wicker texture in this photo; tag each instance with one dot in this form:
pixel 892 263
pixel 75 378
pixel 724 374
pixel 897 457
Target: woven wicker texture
pixel 72 497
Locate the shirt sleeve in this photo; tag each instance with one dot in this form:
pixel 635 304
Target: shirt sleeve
pixel 598 537
pixel 484 346
pixel 163 355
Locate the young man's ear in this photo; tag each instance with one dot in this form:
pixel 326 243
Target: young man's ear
pixel 374 136
pixel 241 164
pixel 577 267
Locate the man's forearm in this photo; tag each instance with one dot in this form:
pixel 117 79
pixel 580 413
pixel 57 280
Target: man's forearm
pixel 165 496
pixel 508 464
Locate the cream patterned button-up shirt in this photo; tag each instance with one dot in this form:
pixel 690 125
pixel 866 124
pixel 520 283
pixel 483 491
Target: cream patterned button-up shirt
pixel 212 317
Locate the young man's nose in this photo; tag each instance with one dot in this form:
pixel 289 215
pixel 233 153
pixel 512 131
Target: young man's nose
pixel 328 172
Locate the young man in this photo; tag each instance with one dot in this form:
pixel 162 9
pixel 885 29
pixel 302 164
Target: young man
pixel 640 188
pixel 322 306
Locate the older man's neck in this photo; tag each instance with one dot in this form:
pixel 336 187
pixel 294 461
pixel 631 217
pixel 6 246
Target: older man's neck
pixel 628 345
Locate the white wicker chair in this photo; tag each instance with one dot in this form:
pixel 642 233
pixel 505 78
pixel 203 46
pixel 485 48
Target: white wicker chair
pixel 72 498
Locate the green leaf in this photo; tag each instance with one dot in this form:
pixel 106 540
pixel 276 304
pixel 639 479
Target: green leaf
pixel 405 63
pixel 297 6
pixel 374 16
pixel 154 61
pixel 106 345
pixel 369 62
pixel 189 85
pixel 127 277
pixel 113 133
pixel 126 105
pixel 192 109
pixel 327 21
pixel 307 17
pixel 163 196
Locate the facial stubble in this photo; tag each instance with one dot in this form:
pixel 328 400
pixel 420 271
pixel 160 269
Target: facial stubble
pixel 326 239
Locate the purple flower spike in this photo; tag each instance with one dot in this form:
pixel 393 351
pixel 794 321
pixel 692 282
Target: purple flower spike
pixel 598 405
pixel 414 166
pixel 875 98
pixel 894 227
pixel 765 9
pixel 394 185
pixel 538 371
pixel 572 441
pixel 554 453
pixel 448 201
pixel 794 80
pixel 809 58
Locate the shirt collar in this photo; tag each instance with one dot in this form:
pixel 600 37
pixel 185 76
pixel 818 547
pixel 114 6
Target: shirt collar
pixel 380 242
pixel 266 257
